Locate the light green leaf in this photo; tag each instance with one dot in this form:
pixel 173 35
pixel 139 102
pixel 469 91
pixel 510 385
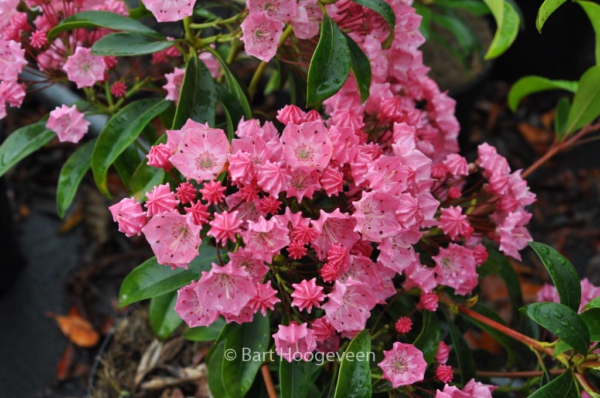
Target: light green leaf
pixel 71 175
pixel 354 380
pixel 163 317
pixel 507 21
pixel 534 84
pixel 129 45
pixel 546 9
pixel 205 333
pixel 593 12
pixel 21 143
pixel 595 303
pixel 563 107
pixel 586 104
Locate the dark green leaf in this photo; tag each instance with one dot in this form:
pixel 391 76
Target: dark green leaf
pixel 197 98
pixel 561 387
pixel 71 175
pixel 354 380
pixel 151 279
pixel 120 132
pixel 473 6
pixel 429 338
pixel 21 143
pixel 560 119
pixel 250 339
pixel 593 12
pixel 129 45
pixel 296 378
pixel 163 318
pixel 144 179
pixel 591 318
pixel 586 104
pixel 507 20
pixel 232 109
pixel 100 19
pixel 534 84
pixel 215 367
pixel 563 275
pixel 382 8
pixel 205 333
pixel 126 162
pixel 466 363
pixel 234 86
pixel 330 64
pixel 546 9
pixel 361 67
pixel 562 321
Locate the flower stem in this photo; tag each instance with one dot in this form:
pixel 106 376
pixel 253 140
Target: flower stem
pixel 268 381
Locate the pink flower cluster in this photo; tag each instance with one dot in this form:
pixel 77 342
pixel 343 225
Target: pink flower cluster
pixel 548 293
pixel 12 62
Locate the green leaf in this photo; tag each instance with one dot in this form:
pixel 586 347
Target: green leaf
pixel 563 386
pixel 71 175
pixel 382 8
pixel 151 279
pixel 234 86
pixel 354 380
pixel 249 341
pixel 215 367
pixel 21 143
pixel 593 12
pixel 563 107
pixel 144 179
pixel 586 104
pixel 507 20
pixel 197 98
pixel 426 16
pixel 126 162
pixel 129 45
pixel 466 363
pixel 562 321
pixel 473 6
pixel 595 303
pixel 330 64
pixel 120 132
pixel 534 84
pixel 546 9
pixel 591 318
pixel 563 274
pixel 429 338
pixel 100 19
pixel 561 347
pixel 296 378
pixel 361 67
pixel 465 37
pixel 232 109
pixel 163 318
pixel 205 333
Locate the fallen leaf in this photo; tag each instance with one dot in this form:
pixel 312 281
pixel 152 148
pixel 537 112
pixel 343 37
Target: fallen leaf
pixel 64 365
pixel 77 329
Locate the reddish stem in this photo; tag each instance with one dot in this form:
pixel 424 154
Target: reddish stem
pixel 268 381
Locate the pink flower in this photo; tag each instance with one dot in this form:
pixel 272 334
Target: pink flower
pixel 428 301
pixel 202 152
pixel 302 184
pixel 174 238
pixel 213 192
pixel 12 59
pixel 290 114
pixel 265 238
pixel 338 262
pixel 295 342
pixel 265 298
pixel 269 205
pixel 332 181
pixel 186 192
pixel 225 226
pixel 451 392
pixel 190 309
pixel 281 10
pixel 159 157
pixel 332 228
pixel 68 124
pixel 457 165
pixel 296 250
pixel 169 11
pixel 8 8
pixel 130 216
pixel 512 233
pixel 306 22
pixel 588 292
pixel 272 178
pixel 261 35
pixel 85 69
pixel 160 200
pixel 307 146
pixel 375 216
pixel 307 295
pixel 421 276
pixel 443 352
pixel 454 223
pixel 403 325
pixel 403 365
pixel 444 373
pixel 479 390
pixel 199 212
pixel 118 89
pixel 253 266
pixel 480 253
pixel 174 82
pixel 455 267
pixel 397 253
pixel 12 92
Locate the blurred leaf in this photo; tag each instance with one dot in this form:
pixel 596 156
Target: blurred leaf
pixel 534 84
pixel 473 6
pixel 71 175
pixel 129 45
pixel 586 104
pixel 562 321
pixel 465 37
pixel 234 86
pixel 22 142
pixel 546 9
pixel 563 386
pixel 163 317
pixel 79 331
pixel 361 67
pixel 507 21
pixel 560 120
pixel 296 378
pixel 354 380
pixel 330 64
pixel 205 333
pixel 126 162
pixel 591 318
pixel 595 303
pixel 563 274
pixel 593 12
pixel 429 339
pixel 466 363
pixel 382 8
pixel 197 98
pixel 215 368
pixel 426 16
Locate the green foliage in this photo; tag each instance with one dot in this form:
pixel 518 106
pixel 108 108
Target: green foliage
pixel 593 12
pixel 205 333
pixel 546 9
pixel 361 67
pixel 71 175
pixel 534 84
pixel 234 87
pixel 429 338
pixel 354 380
pixel 163 318
pixel 23 142
pixel 129 45
pixel 563 386
pixel 466 363
pixel 507 20
pixel 591 318
pixel 296 378
pixel 232 109
pixel 563 107
pixel 595 303
pixel 586 104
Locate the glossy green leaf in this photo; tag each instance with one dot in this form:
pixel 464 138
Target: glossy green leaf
pixel 21 143
pixel 251 339
pixel 234 86
pixel 144 179
pixel 473 6
pixel 296 378
pixel 534 84
pixel 205 333
pixel 129 45
pixel 563 107
pixel 361 67
pixel 563 274
pixel 466 363
pixel 151 279
pixel 101 19
pixel 586 104
pixel 232 109
pixel 163 318
pixel 562 321
pixel 382 8
pixel 561 347
pixel 197 98
pixel 546 9
pixel 215 367
pixel 354 380
pixel 120 132
pixel 330 64
pixel 126 162
pixel 593 12
pixel 71 175
pixel 429 338
pixel 563 386
pixel 595 303
pixel 591 318
pixel 507 21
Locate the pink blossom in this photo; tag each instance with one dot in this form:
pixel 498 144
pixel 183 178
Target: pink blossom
pixel 84 68
pixel 444 373
pixel 12 92
pixel 513 235
pixel 397 253
pixel 454 223
pixel 160 200
pixel 265 238
pixel 118 89
pixel 190 309
pixel 451 392
pixel 443 352
pixel 225 227
pixel 480 253
pixel 213 192
pixel 213 65
pixel 253 266
pixel 338 262
pixel 130 216
pixel 479 390
pixel 454 193
pixel 261 35
pixel 290 114
pixel 302 184
pixel 332 181
pixel 374 216
pixel 588 292
pixel 68 124
pixel 428 302
pixel 281 10
pixel 273 178
pixel 307 295
pixel 186 192
pixel 174 238
pixel 403 365
pixel 332 228
pixel 295 342
pixel 269 205
pixel 457 165
pixel 421 276
pixel 307 146
pixel 296 250
pixel 12 59
pixel 455 267
pixel 199 212
pixel 174 82
pixel 403 325
pixel 169 11
pixel 8 8
pixel 264 299
pixel 159 157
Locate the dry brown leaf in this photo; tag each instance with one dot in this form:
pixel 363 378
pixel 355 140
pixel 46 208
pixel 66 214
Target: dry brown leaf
pixel 537 137
pixel 77 329
pixel 64 365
